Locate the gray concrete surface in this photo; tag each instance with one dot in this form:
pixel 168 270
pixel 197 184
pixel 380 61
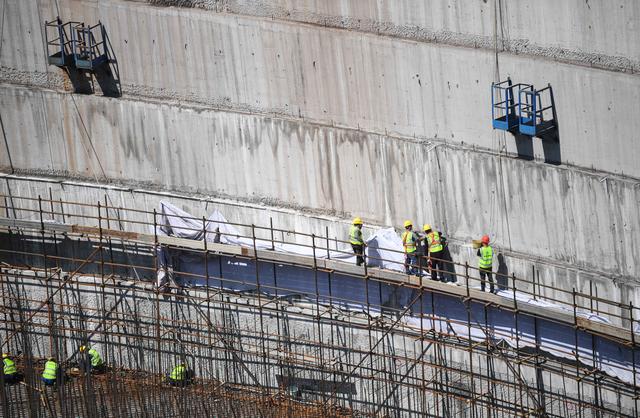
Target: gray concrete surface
pixel 354 79
pixel 527 207
pixel 594 33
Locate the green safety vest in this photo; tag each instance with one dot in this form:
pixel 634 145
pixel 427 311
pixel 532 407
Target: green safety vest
pixel 435 244
pixel 178 373
pixel 9 367
pixel 486 257
pixel 96 360
pixel 355 235
pixel 409 242
pixel 50 370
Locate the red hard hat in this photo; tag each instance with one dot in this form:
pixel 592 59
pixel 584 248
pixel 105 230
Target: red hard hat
pixel 485 239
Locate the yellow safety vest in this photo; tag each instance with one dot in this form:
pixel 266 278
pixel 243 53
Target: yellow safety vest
pixel 50 370
pixel 409 242
pixel 486 257
pixel 435 244
pixel 178 373
pixel 355 235
pixel 96 360
pixel 9 367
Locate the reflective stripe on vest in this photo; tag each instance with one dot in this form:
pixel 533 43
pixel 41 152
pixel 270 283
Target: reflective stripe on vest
pixel 50 370
pixel 96 360
pixel 435 244
pixel 486 257
pixel 178 373
pixel 9 367
pixel 355 235
pixel 409 241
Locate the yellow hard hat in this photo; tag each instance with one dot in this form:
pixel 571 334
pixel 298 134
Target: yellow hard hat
pixel 426 227
pixel 357 221
pixel 407 223
pixel 82 348
pixel 5 355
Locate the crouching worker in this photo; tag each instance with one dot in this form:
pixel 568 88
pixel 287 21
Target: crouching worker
pixel 180 375
pixel 90 360
pixel 9 370
pixel 51 372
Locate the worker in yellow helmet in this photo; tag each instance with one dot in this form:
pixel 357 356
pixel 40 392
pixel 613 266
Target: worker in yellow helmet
pixel 9 369
pixel 409 243
pixel 90 360
pixel 356 240
pixel 435 247
pixel 485 263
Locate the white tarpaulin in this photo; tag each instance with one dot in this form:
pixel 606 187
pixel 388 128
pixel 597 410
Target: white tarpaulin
pixel 178 223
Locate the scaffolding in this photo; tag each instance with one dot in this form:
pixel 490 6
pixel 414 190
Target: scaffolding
pixel 75 272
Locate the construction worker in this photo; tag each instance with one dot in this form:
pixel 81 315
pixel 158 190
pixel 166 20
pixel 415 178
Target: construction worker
pixel 50 372
pixel 179 376
pixel 485 263
pixel 434 241
pixel 90 360
pixel 409 242
pixel 356 240
pixel 9 369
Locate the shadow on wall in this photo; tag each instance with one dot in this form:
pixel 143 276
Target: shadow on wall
pixel 108 75
pixel 524 146
pixel 550 147
pixel 502 276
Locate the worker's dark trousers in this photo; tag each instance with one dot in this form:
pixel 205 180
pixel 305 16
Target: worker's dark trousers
pixel 485 275
pixel 10 379
pixel 410 262
pixel 358 250
pixel 437 263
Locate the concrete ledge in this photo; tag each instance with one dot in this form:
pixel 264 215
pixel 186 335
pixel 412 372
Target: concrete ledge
pixel 605 330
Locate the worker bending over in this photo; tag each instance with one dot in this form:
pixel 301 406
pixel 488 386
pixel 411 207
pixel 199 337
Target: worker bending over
pixel 90 360
pixel 9 369
pixel 356 240
pixel 180 375
pixel 434 240
pixel 485 263
pixel 409 242
pixel 50 372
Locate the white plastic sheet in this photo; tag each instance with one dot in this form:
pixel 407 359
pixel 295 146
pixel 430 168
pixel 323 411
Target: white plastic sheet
pixel 176 222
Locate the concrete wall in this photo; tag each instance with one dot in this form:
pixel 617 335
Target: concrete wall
pixel 355 79
pixel 533 209
pixel 599 33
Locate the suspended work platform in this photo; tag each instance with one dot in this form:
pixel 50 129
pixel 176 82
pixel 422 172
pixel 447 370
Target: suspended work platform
pixel 76 45
pixel 522 109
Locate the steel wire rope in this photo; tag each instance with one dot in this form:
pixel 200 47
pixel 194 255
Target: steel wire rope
pixel 501 137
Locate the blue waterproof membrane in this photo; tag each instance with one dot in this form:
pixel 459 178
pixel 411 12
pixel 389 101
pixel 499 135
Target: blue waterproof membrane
pixel 446 313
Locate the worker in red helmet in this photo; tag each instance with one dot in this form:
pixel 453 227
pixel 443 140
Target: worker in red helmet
pixel 485 263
